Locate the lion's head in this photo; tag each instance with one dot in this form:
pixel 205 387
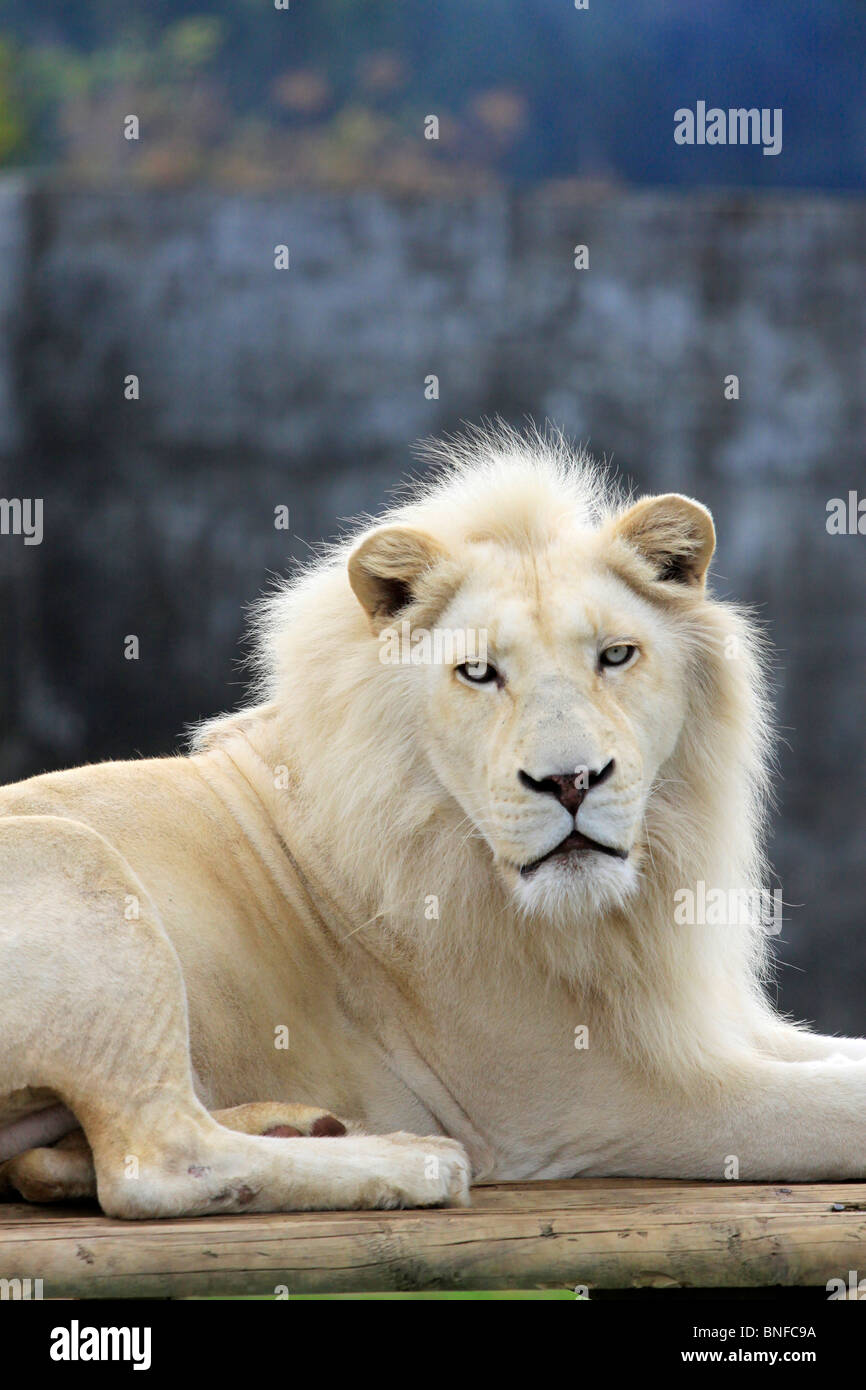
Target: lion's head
pixel 549 673
pixel 515 693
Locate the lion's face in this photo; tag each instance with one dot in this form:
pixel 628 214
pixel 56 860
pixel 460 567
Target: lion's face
pixel 551 743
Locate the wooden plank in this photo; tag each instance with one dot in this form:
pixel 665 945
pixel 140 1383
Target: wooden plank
pixel 602 1233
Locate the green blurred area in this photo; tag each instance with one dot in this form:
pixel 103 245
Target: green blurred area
pixel 336 92
pixel 486 1295
pixel 234 92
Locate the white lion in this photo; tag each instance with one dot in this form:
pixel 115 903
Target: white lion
pixel 430 896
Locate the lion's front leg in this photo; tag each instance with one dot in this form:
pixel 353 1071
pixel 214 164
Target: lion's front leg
pixel 65 1172
pixel 755 1119
pixel 790 1044
pixel 385 1171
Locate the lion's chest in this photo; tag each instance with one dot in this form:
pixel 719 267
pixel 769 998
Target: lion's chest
pixel 531 1083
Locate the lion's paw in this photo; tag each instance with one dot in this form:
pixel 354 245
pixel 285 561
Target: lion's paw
pixel 423 1172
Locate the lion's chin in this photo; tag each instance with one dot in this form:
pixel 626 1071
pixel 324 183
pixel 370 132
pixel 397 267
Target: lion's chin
pixel 584 884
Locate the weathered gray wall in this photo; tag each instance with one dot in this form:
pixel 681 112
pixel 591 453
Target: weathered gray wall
pixel 305 387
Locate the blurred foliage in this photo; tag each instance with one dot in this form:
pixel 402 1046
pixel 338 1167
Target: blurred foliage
pixel 335 92
pixel 13 121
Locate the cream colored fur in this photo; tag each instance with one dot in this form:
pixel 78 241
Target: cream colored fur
pixel 345 866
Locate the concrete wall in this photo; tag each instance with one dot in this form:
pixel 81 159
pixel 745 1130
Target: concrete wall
pixel 306 387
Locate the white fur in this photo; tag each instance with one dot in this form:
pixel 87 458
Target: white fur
pixel 352 853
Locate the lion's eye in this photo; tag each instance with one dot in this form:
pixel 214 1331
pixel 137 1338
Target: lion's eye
pixel 477 672
pixel 618 655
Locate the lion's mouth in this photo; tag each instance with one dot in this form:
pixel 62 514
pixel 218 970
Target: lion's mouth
pixel 575 842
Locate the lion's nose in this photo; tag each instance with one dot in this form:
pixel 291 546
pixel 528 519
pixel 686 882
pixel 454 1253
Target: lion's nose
pixel 569 788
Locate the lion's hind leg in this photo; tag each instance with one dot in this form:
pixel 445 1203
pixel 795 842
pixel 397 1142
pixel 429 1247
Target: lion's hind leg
pixel 276 1120
pixel 63 1172
pixel 96 1014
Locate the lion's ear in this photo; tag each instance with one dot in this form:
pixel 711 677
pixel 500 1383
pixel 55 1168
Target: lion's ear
pixel 673 534
pixel 389 567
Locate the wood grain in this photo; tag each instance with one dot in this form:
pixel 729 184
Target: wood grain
pixel 603 1233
